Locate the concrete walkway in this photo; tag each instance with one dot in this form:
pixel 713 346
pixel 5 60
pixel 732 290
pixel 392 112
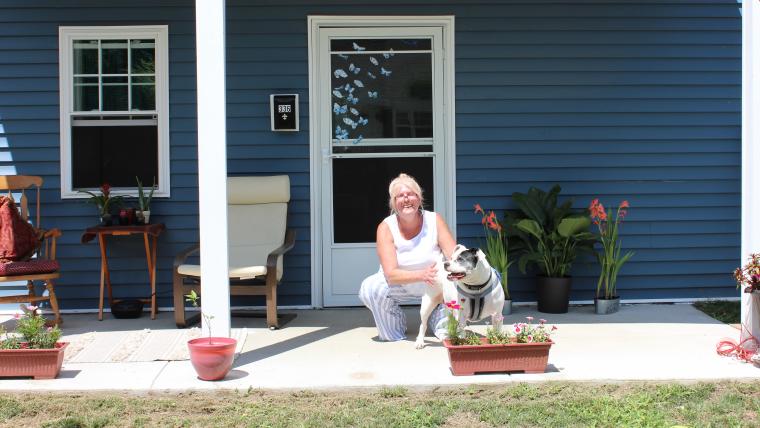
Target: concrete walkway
pixel 337 348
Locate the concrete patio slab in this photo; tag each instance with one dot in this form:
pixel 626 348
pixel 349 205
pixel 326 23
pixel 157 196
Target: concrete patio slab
pixel 338 348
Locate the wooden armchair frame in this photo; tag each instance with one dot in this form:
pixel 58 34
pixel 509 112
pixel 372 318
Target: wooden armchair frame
pixel 46 251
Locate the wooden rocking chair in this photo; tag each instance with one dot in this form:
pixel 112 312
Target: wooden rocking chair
pixel 43 267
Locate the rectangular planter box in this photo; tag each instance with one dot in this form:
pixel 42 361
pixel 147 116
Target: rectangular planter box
pixel 36 363
pixel 487 358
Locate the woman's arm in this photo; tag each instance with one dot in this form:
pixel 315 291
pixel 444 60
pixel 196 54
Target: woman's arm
pixel 386 251
pixel 445 239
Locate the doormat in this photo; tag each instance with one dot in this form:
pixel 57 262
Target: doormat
pixel 138 346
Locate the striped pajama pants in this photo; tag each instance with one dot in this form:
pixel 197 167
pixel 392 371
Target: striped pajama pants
pixel 384 300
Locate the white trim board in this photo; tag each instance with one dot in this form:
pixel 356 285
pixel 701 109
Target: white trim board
pixel 315 23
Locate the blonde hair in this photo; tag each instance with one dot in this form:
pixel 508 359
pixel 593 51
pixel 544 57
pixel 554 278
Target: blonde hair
pixel 408 181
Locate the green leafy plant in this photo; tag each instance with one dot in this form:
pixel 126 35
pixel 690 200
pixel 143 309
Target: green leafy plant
pixel 545 234
pixel 31 332
pixel 497 246
pixel 104 201
pixel 142 200
pixel 194 299
pixel 609 258
pixel 497 335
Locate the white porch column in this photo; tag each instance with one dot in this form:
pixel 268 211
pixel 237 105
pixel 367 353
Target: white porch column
pixel 212 163
pixel 750 154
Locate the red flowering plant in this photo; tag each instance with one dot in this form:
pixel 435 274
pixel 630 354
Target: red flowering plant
pixel 454 333
pixel 521 333
pixel 496 246
pixel 748 276
pixel 104 201
pixel 609 258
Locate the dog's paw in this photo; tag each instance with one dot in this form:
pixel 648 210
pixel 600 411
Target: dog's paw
pixel 419 344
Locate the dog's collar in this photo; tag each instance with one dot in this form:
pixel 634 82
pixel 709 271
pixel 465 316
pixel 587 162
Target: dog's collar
pixel 478 287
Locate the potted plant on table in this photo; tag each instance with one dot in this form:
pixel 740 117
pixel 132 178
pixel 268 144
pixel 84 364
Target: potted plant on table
pixel 144 201
pixel 33 349
pixel 211 356
pixel 105 202
pixel 519 347
pixel 609 258
pixel 496 251
pixel 548 237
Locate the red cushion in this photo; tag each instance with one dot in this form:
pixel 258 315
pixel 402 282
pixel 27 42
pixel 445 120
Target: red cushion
pixel 30 267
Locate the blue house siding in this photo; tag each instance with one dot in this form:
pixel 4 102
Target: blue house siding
pixel 634 100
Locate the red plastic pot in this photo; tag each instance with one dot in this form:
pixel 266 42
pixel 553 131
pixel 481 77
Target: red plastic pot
pixel 212 356
pixel 36 363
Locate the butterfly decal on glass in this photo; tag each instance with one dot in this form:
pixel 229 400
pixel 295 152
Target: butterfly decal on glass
pixel 340 133
pixel 385 72
pixel 372 94
pixel 350 122
pixel 358 48
pixel 348 88
pixel 373 61
pixel 354 69
pixel 352 99
pixel 336 93
pixel 354 111
pixel 339 73
pixel 358 139
pixel 343 56
pixel 359 83
pixel 362 121
pixel 369 73
pixel 338 109
pixel 388 54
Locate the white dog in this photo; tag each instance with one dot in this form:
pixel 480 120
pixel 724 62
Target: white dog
pixel 468 279
pixel 476 287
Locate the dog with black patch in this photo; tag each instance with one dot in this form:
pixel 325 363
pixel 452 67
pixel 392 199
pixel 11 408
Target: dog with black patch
pixel 476 287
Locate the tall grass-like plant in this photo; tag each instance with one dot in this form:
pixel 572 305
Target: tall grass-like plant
pixel 609 258
pixel 496 246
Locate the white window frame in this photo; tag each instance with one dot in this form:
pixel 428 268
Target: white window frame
pixel 66 37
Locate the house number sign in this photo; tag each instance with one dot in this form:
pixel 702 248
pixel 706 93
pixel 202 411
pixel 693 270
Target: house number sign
pixel 284 112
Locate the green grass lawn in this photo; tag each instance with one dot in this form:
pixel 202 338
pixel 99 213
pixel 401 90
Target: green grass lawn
pixel 727 312
pixel 723 404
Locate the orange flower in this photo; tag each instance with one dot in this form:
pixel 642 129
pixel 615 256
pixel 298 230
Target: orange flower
pixel 479 209
pixel 624 205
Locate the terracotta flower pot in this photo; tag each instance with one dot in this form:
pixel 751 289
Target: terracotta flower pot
pixel 487 358
pixel 212 357
pixel 36 363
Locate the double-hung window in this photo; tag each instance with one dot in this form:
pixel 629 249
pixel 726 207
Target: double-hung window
pixel 114 87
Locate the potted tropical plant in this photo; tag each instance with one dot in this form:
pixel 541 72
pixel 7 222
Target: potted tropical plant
pixel 211 356
pixel 519 347
pixel 33 349
pixel 144 201
pixel 496 252
pixel 548 237
pixel 105 202
pixel 609 258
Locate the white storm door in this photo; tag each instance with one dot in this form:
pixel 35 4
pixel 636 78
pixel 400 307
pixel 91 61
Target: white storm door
pixel 381 111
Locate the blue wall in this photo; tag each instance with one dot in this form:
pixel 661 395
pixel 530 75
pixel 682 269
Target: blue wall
pixel 631 100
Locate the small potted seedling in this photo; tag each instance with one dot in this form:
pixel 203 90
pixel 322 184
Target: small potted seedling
pixel 211 356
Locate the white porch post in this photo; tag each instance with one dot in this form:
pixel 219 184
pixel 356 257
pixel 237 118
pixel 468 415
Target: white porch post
pixel 212 163
pixel 750 316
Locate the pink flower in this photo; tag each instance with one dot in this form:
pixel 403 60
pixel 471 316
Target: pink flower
pixel 529 319
pixel 554 327
pixel 17 316
pixel 530 338
pixel 479 209
pixel 542 321
pixel 517 328
pixel 32 308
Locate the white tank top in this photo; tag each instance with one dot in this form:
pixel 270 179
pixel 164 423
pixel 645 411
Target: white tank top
pixel 420 251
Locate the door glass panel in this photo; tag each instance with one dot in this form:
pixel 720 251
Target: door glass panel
pixel 360 193
pixel 380 94
pixel 390 45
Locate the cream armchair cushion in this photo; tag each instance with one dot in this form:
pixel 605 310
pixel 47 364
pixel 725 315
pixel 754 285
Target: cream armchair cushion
pixel 257 212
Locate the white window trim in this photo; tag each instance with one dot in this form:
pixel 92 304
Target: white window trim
pixel 66 35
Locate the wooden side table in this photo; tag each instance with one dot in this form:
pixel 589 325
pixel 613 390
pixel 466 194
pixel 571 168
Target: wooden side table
pixel 150 233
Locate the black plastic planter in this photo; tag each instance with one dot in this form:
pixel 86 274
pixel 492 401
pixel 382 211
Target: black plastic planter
pixel 553 294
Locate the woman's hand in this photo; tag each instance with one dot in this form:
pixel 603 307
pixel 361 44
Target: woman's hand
pixel 430 275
